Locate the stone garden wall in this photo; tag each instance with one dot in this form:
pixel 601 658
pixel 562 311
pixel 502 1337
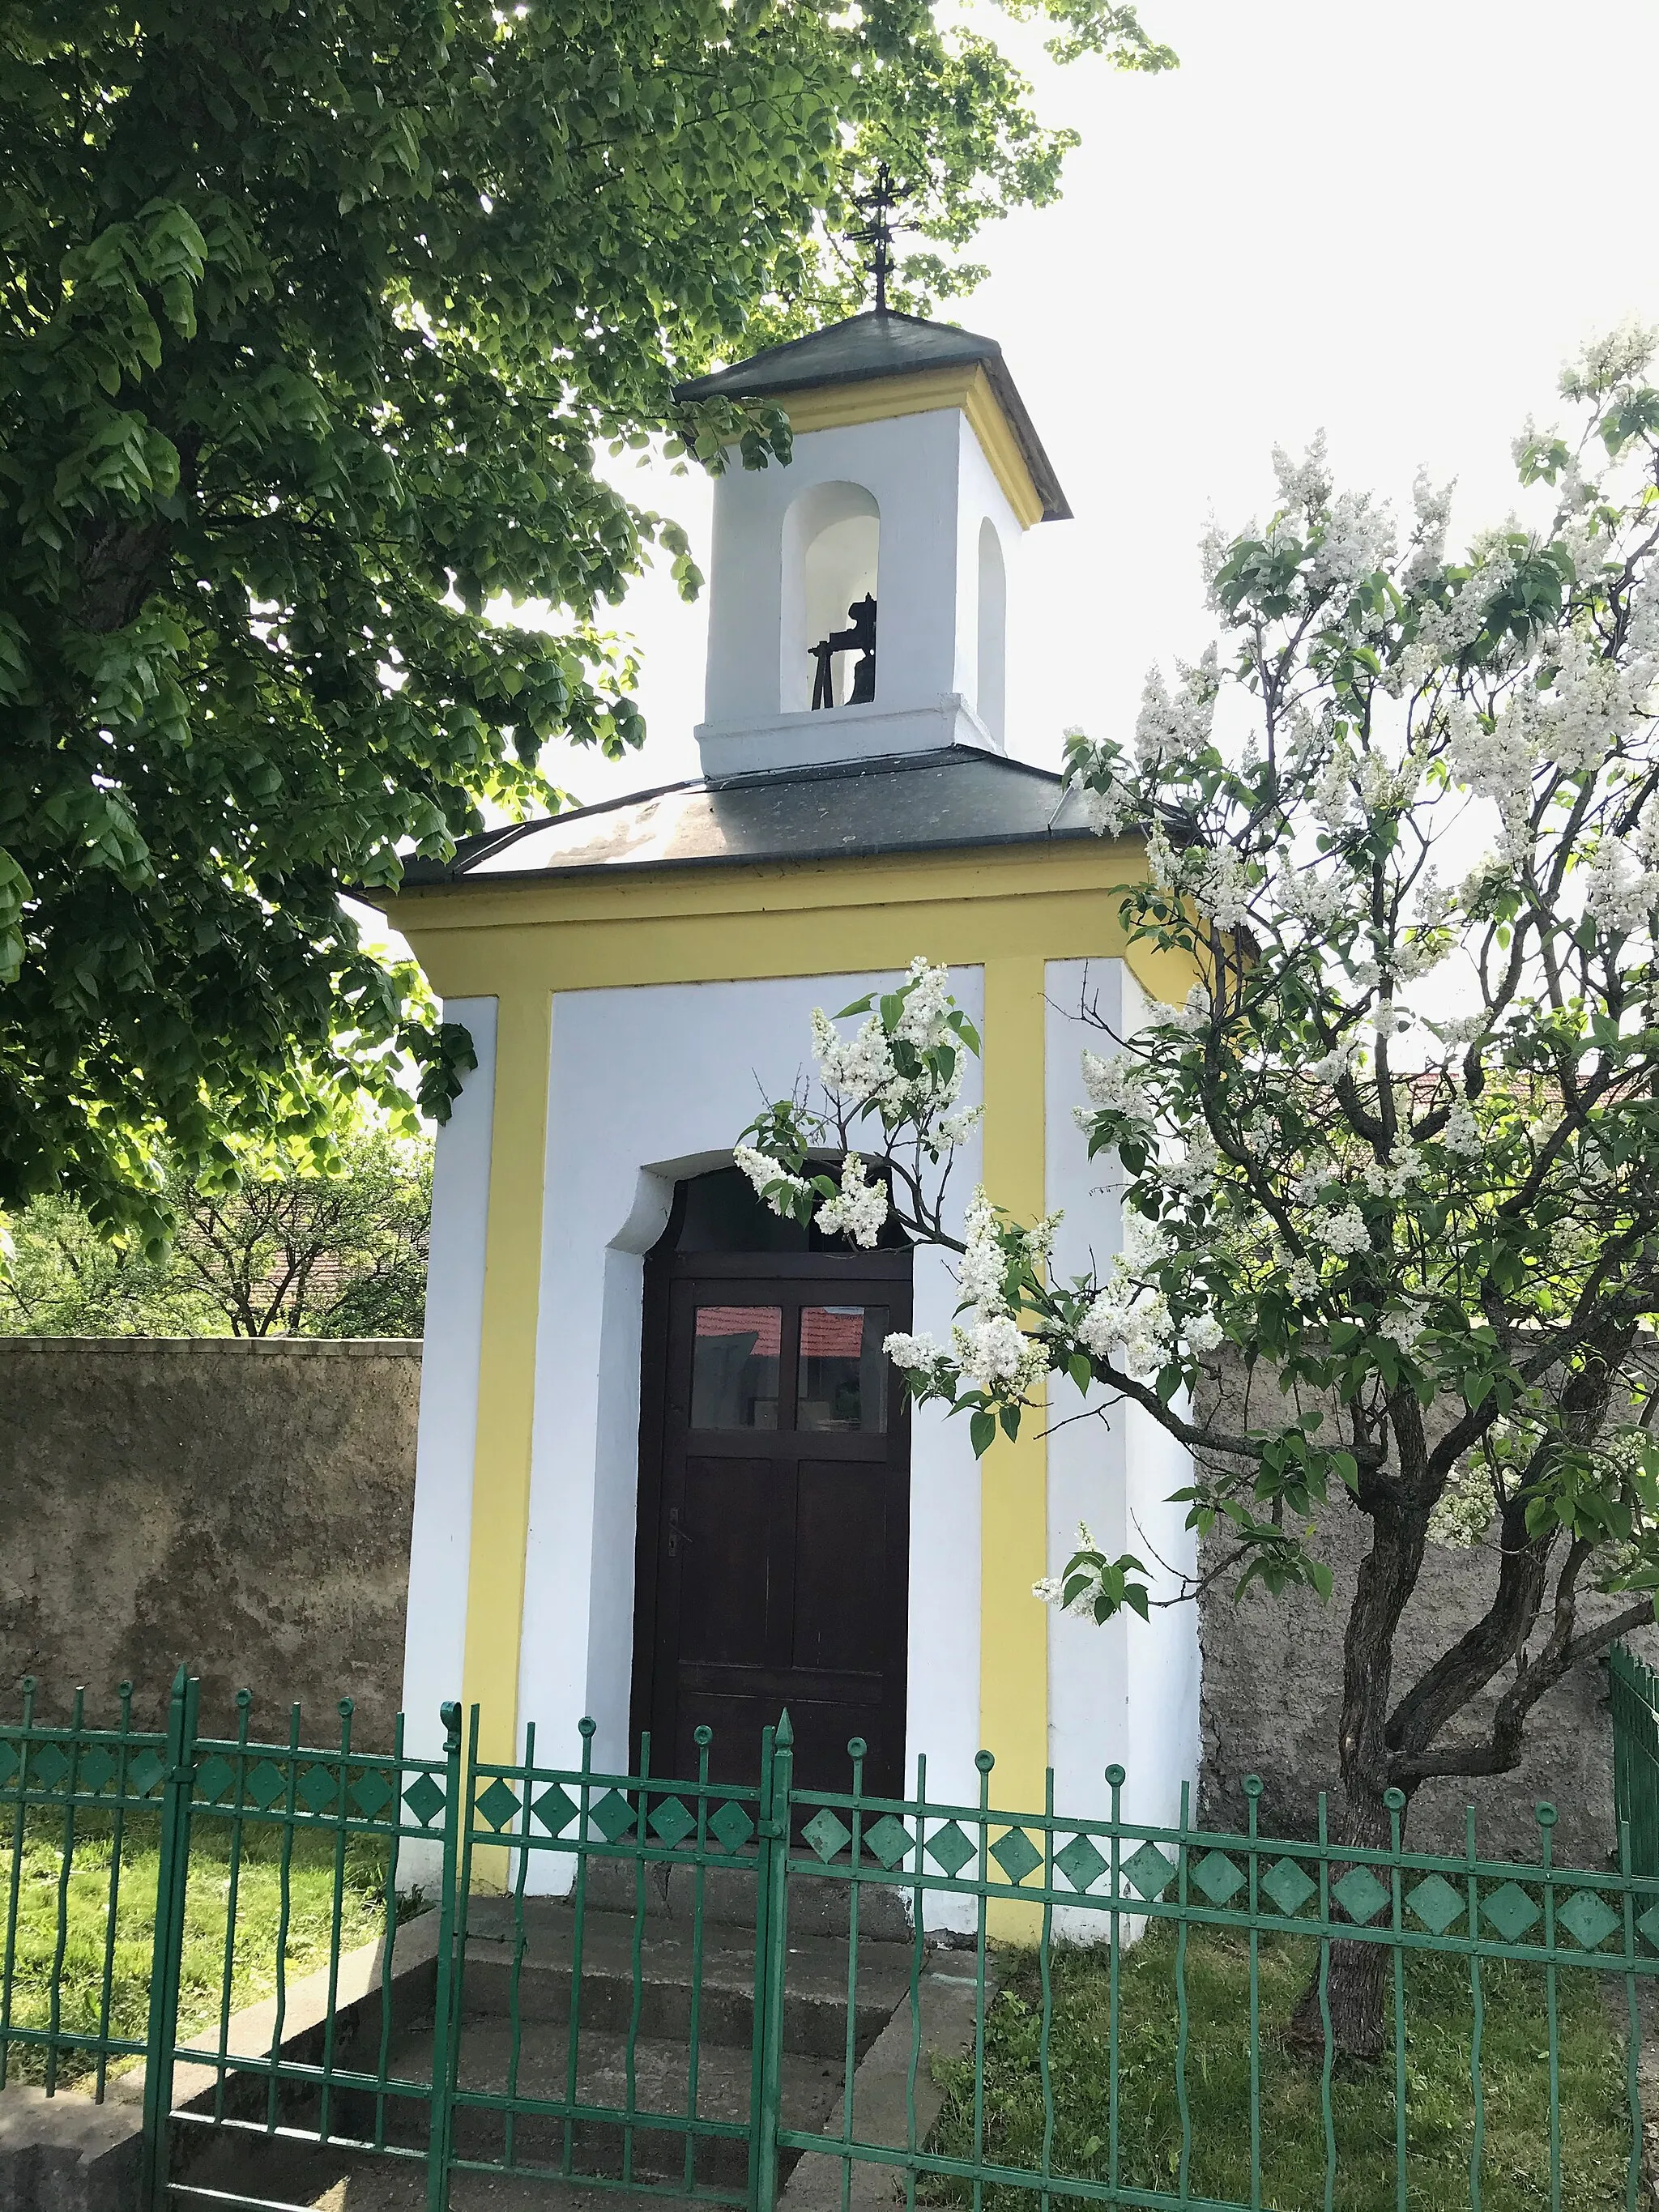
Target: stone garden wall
pixel 1272 1680
pixel 244 1507
pixel 241 1506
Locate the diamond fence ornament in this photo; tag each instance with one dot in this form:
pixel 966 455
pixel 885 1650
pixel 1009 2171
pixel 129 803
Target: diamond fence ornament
pixel 671 1822
pixel 1080 1862
pixel 1588 1919
pixel 498 1804
pixel 1510 1911
pixel 555 1808
pixel 265 1785
pixel 1435 1904
pixel 9 1763
pixel 320 1788
pixel 1286 1884
pixel 213 1778
pixel 1648 1926
pixel 731 1827
pixel 949 1848
pixel 1150 1871
pixel 888 1841
pixel 1216 1876
pixel 47 1768
pixel 1361 1894
pixel 1016 1854
pixel 370 1793
pixel 97 1770
pixel 826 1834
pixel 424 1799
pixel 613 1816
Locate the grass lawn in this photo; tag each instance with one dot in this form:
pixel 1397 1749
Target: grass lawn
pixel 1440 2127
pixel 259 1906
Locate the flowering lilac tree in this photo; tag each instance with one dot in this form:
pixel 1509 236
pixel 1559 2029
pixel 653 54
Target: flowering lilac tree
pixel 1400 1147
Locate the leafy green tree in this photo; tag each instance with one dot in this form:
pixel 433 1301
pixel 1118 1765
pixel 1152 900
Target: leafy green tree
pixel 290 1252
pixel 1399 1152
pixel 311 320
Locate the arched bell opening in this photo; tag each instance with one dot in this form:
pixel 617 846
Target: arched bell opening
pixel 831 547
pixel 990 700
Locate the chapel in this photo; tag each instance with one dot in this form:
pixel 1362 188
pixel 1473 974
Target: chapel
pixel 665 1478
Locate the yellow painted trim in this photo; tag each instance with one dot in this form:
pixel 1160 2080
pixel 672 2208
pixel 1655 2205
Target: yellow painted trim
pixel 507 1370
pixel 717 925
pixel 1013 1657
pixel 835 406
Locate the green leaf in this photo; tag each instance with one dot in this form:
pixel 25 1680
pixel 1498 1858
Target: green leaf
pixel 982 1432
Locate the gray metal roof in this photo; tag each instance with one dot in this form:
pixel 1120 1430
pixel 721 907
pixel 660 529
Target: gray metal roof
pixel 884 343
pixel 916 803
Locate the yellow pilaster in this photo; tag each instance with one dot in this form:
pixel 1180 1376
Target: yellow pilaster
pixel 506 1372
pixel 1013 1677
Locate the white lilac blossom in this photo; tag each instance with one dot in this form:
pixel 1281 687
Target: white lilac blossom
pixel 1115 1086
pixel 1174 726
pixel 760 1170
pixel 1356 539
pixel 1331 1067
pixel 1462 1133
pixel 1202 1332
pixel 984 1264
pixel 1304 484
pixel 1402 1329
pixel 1343 1233
pixel 861 1070
pixel 1464 1510
pixel 994 1352
pixel 1432 507
pixel 1619 897
pixel 1393 1177
pixel 1312 1180
pixel 917 1354
pixel 1051 1590
pixel 1317 900
pixel 859 1210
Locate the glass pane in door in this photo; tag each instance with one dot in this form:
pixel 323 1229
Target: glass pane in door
pixel 734 1367
pixel 842 1382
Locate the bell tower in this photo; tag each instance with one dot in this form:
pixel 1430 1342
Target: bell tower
pixel 858 598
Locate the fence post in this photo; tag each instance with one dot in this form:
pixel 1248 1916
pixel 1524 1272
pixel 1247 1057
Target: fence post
pixel 777 1776
pixel 443 2023
pixel 172 1878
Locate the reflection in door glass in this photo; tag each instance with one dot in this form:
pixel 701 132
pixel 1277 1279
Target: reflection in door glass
pixel 734 1367
pixel 843 1370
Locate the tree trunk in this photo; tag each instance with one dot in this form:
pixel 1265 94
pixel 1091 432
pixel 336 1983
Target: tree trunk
pixel 1357 1976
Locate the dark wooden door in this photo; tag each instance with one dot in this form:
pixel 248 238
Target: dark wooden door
pixel 775 1559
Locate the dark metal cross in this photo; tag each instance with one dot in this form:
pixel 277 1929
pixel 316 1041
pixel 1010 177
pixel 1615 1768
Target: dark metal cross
pixel 877 230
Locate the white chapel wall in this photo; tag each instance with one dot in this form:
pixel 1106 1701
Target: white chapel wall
pixel 441 1539
pixel 1126 1693
pixel 648 1084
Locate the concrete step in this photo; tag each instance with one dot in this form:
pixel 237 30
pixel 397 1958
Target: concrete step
pixel 671 1971
pixel 818 1904
pixel 330 2180
pixel 661 2090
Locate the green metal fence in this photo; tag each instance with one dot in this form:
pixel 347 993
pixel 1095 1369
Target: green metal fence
pixel 1635 1696
pixel 613 1982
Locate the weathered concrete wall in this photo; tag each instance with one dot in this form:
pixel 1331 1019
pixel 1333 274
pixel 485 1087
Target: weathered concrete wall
pixel 1273 1682
pixel 243 1506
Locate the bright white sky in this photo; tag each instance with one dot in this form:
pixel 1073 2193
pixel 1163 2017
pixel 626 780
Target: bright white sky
pixel 1391 221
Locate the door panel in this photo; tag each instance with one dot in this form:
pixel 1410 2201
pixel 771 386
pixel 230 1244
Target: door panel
pixel 842 1576
pixel 774 1514
pixel 721 1544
